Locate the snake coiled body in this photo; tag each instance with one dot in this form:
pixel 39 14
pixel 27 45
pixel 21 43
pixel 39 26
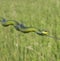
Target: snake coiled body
pixel 22 27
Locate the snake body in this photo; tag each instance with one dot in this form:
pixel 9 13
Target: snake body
pixel 22 27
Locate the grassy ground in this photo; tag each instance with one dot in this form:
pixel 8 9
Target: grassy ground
pixel 42 14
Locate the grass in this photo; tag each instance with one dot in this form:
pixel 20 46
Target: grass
pixel 42 14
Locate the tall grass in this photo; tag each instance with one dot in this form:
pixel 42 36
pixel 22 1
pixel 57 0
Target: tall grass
pixel 42 14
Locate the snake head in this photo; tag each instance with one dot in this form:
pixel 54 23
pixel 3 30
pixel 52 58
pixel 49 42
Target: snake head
pixel 44 32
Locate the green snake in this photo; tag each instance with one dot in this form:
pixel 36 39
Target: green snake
pixel 21 27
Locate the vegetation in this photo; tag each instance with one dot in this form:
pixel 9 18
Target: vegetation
pixel 42 14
